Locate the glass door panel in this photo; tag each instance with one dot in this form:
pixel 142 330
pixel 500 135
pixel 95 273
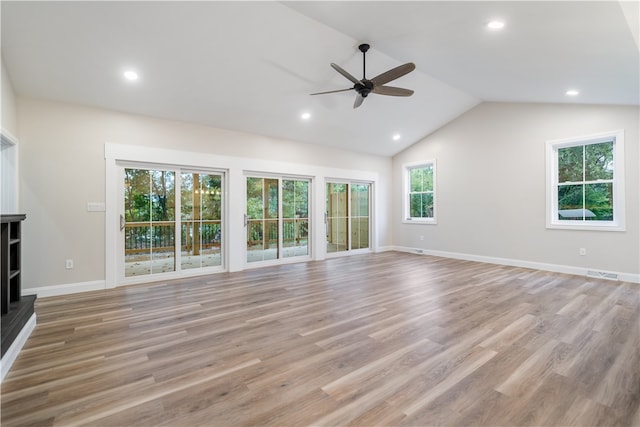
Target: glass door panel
pixel 201 215
pixel 295 218
pixel 149 221
pixel 277 218
pixel 337 220
pixel 271 209
pixel 347 212
pixel 359 216
pixel 263 240
pixel 255 223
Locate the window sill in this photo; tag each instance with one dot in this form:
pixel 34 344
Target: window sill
pixel 420 221
pixel 585 227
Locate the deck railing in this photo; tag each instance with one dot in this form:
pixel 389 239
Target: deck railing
pixel 294 230
pixel 141 237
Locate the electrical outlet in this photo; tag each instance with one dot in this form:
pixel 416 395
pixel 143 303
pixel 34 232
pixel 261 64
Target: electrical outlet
pixel 582 251
pixel 421 237
pixel 69 264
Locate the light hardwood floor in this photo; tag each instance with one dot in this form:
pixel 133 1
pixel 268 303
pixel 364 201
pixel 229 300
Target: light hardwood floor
pixel 382 339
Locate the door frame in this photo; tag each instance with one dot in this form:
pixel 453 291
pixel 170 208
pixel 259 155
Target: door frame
pixel 310 244
pixel 372 241
pixel 178 272
pixel 235 169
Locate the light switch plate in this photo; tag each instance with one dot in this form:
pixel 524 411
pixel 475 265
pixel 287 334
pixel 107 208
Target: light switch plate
pixel 95 207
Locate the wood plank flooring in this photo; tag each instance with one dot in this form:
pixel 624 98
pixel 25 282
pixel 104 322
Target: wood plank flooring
pixel 382 339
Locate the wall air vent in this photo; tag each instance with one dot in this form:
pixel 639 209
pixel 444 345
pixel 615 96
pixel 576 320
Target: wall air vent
pixel 602 275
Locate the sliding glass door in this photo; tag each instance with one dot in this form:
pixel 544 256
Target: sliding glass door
pixel 277 218
pixel 347 216
pixel 167 230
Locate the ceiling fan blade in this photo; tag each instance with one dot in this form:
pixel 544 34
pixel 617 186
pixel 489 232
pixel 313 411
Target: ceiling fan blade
pixel 392 91
pixel 359 101
pixel 344 73
pixel 393 74
pixel 332 91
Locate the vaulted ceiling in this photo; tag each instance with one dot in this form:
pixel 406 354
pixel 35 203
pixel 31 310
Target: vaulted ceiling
pixel 250 66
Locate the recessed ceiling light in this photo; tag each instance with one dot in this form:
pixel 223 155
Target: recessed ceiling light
pixel 130 75
pixel 305 116
pixel 572 92
pixel 495 25
pixel 396 137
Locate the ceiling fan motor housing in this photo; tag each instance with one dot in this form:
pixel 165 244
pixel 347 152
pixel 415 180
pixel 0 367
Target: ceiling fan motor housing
pixel 364 88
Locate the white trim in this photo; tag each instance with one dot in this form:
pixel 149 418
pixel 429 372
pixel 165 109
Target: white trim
pixel 275 262
pixel 236 166
pixel 9 172
pixel 556 268
pixel 65 289
pixel 7 138
pixel 406 187
pixel 551 165
pixel 12 353
pixel 350 253
pixel 172 275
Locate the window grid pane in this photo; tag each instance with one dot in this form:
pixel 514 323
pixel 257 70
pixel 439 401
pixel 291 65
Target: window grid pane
pixel 421 191
pixel 599 161
pixel 585 182
pixel 201 213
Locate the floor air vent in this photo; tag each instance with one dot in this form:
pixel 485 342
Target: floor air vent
pixel 602 275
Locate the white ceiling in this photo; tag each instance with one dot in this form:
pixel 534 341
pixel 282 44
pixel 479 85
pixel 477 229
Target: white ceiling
pixel 251 66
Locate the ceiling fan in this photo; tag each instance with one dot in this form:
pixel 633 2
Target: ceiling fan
pixel 377 84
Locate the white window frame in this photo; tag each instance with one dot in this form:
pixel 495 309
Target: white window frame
pixel 552 146
pixel 406 177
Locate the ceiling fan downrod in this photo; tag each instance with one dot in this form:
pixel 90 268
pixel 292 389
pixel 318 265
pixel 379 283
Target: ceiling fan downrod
pixel 364 48
pixel 365 87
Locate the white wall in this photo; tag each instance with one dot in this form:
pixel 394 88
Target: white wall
pixel 491 188
pixel 62 165
pixel 491 183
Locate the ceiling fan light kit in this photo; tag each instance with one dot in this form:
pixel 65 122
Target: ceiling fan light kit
pixel 364 86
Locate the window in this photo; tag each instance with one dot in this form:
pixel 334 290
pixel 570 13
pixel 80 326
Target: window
pixel 419 194
pixel 585 182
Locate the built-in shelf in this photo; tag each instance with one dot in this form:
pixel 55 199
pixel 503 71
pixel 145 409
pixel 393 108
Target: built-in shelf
pixel 16 309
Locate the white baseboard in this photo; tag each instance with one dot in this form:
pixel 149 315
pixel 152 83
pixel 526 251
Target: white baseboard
pixel 556 268
pixel 70 288
pixel 12 353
